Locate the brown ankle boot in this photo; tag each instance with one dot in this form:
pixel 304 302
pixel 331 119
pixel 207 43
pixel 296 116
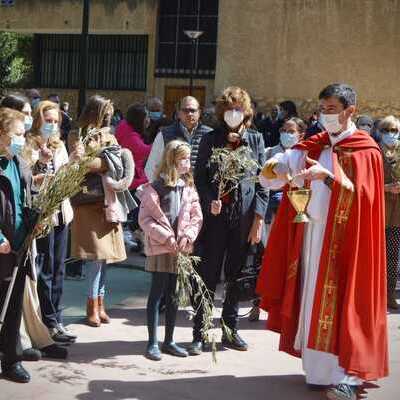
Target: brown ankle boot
pixel 92 313
pixel 104 318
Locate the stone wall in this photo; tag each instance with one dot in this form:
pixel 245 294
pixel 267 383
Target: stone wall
pixel 65 16
pixel 291 49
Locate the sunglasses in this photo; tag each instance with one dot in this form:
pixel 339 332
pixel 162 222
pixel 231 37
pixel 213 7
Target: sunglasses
pixel 390 130
pixel 189 110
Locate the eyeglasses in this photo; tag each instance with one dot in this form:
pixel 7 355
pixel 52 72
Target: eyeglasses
pixel 189 110
pixel 390 130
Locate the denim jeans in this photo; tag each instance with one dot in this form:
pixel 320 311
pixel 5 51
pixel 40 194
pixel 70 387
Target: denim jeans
pixel 95 278
pixel 52 251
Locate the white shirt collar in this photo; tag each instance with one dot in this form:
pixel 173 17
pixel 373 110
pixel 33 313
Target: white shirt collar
pixel 345 134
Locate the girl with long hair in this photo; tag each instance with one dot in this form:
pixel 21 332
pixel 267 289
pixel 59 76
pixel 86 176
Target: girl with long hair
pixel 170 216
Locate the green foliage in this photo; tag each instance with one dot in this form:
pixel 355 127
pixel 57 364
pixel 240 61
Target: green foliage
pixel 15 59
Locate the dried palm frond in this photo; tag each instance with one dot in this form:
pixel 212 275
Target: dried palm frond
pixel 233 167
pixel 190 286
pixel 65 183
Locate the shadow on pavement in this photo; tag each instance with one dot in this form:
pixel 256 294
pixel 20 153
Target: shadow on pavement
pixel 88 352
pixel 225 387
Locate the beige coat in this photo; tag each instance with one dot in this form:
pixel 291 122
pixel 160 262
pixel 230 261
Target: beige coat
pixel 93 238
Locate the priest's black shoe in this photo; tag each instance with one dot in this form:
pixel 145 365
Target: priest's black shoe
pixel 15 372
pixel 234 341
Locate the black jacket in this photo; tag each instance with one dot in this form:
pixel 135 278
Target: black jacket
pixel 7 212
pixel 175 131
pixel 254 197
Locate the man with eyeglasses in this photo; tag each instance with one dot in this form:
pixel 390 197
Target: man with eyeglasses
pixel 188 128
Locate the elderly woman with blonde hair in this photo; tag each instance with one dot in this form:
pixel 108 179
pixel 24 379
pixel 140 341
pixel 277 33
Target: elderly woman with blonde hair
pixel 46 153
pixel 389 129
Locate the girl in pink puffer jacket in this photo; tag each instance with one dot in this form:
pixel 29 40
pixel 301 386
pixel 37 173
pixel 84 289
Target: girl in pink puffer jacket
pixel 170 216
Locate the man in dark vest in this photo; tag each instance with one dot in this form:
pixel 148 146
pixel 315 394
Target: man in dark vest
pixel 188 128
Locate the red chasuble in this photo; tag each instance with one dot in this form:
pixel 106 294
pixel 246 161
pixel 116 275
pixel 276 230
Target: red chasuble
pixel 349 311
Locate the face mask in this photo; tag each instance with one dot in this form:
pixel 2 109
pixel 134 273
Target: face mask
pixel 330 122
pixel 155 114
pixel 35 102
pixel 390 139
pixel 183 167
pixel 17 144
pixel 233 118
pixel 48 129
pixel 288 140
pixel 280 115
pixel 28 123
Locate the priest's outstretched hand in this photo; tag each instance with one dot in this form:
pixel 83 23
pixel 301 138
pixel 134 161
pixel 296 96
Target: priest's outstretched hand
pixel 315 172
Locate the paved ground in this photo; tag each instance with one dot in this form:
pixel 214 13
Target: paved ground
pixel 107 363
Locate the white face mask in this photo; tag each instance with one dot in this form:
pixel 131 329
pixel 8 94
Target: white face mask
pixel 233 118
pixel 183 166
pixel 288 140
pixel 330 122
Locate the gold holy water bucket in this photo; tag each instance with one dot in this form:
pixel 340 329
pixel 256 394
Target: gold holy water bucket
pixel 299 199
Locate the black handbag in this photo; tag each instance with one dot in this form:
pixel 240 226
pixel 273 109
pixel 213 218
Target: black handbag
pixel 92 191
pixel 246 282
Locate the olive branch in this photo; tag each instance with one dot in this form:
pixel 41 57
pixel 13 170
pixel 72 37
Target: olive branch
pixel 233 167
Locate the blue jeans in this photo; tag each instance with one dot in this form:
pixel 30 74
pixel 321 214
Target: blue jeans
pixel 95 278
pixel 52 251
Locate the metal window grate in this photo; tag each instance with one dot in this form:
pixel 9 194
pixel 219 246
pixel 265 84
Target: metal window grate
pixel 116 62
pixel 174 51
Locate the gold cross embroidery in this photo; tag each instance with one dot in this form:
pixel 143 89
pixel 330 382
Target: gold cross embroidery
pixel 333 250
pixel 330 287
pixel 342 217
pixel 326 322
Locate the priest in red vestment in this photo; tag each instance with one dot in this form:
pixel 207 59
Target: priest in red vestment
pixel 323 283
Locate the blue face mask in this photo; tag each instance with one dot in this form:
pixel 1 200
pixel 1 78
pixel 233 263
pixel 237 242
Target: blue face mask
pixel 35 102
pixel 17 144
pixel 48 129
pixel 28 123
pixel 155 114
pixel 288 140
pixel 390 139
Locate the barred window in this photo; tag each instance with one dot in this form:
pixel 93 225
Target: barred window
pixel 115 62
pixel 174 52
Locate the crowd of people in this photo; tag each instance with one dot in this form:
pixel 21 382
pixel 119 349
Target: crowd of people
pixel 152 188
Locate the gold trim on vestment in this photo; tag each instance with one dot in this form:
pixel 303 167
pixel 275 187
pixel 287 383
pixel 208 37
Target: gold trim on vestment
pixel 292 270
pixel 328 306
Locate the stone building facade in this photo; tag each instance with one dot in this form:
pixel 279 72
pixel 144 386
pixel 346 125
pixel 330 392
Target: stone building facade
pixel 276 49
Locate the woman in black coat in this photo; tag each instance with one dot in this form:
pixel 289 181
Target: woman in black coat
pixel 235 221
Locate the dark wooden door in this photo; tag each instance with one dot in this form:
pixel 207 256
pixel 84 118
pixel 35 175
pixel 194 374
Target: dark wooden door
pixel 174 93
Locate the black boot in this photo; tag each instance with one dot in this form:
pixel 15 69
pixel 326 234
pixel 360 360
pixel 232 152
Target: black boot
pixel 234 341
pixel 31 355
pixel 54 351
